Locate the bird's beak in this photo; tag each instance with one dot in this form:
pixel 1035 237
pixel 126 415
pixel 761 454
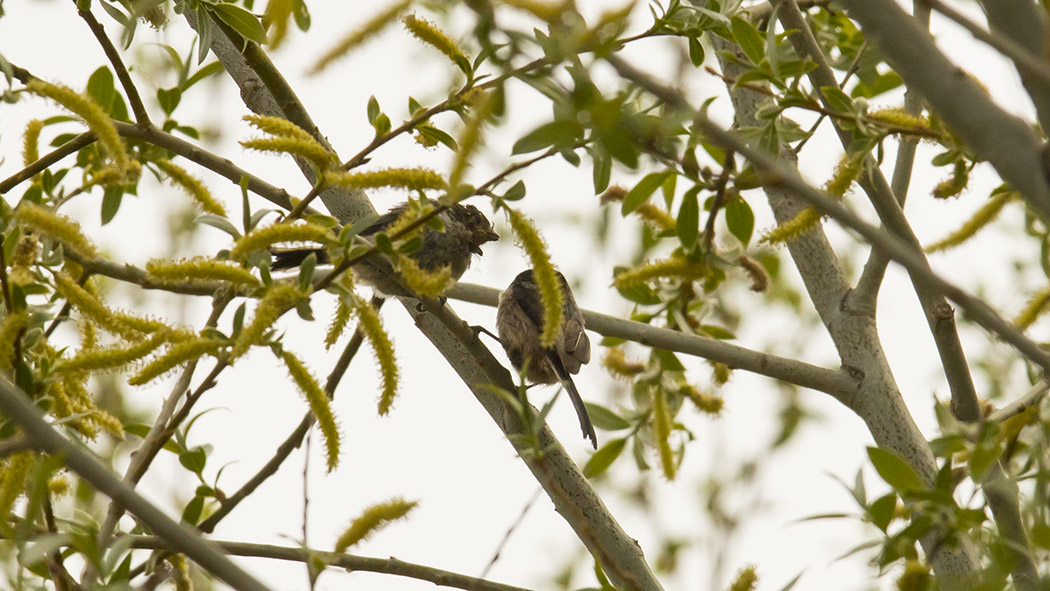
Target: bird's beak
pixel 481 238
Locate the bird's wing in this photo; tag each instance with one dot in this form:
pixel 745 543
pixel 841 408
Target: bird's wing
pixel 293 257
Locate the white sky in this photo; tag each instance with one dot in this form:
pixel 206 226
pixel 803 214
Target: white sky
pixel 438 446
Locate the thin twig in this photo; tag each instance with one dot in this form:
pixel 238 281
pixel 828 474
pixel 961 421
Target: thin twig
pixel 73 145
pixel 137 107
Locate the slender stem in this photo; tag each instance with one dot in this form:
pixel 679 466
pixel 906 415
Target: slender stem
pixel 137 107
pixel 720 195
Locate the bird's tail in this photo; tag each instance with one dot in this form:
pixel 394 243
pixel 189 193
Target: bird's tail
pixel 581 411
pixel 288 259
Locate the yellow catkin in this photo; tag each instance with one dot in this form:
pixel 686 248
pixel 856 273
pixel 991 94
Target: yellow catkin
pixel 279 299
pixel 705 402
pixel 955 184
pixel 203 269
pixel 803 222
pixel 278 126
pixel 111 357
pixel 383 348
pixel 11 328
pixel 25 251
pixel 543 272
pixel 177 354
pixel 81 401
pixel 14 470
pixel 428 33
pixel 372 519
pixel 471 137
pixel 63 405
pixel 981 218
pixel 721 373
pixel 92 114
pixel 430 284
pixel 901 118
pixel 847 171
pixel 31 141
pixel 745 580
pixel 674 267
pixel 264 238
pixel 413 179
pixel 192 185
pixel 340 320
pixel 355 38
pixel 662 432
pixel 319 404
pixel 616 363
pixel 310 149
pixel 657 217
pixel 55 226
pixel 113 175
pixel 1032 310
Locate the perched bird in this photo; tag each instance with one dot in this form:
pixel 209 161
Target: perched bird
pixel 519 321
pixel 466 229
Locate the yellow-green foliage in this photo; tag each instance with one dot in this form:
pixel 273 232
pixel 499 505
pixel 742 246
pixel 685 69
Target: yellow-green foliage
pixel 178 353
pixel 71 397
pixel 277 15
pixel 705 402
pixel 413 179
pixel 123 324
pixel 310 149
pixel 955 184
pixel 30 149
pixel 92 114
pixel 14 470
pixel 373 519
pixel 543 272
pixel 55 226
pixel 1035 308
pixel 279 299
pixel 264 238
pixel 803 222
pixel 114 175
pixel 428 33
pixel 430 284
pixel 340 320
pixel 201 268
pixel 901 118
pixel 319 406
pixel 671 268
pixel 355 38
pixel 278 126
pixel 616 363
pixel 745 580
pixel 662 432
pixel 193 186
pixel 754 269
pixel 721 373
pixel 981 218
pixel 180 568
pixel 372 327
pixel 11 328
pixel 657 217
pixel 847 171
pixel 916 577
pixel 111 357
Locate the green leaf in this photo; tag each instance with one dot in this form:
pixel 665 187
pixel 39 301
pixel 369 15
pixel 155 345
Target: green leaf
pixel 516 192
pixel 111 199
pixel 100 87
pixel 438 135
pixel 219 222
pixel 740 219
pixel 548 134
pixel 696 52
pixel 836 99
pixel 192 513
pixel 169 99
pixel 205 32
pixel 301 14
pixel 605 419
pixel 241 20
pixel 895 471
pixel 604 457
pixel 643 190
pixel 373 109
pixel 748 39
pixel 382 124
pixel 881 510
pixel 210 69
pixel 194 459
pixel 717 332
pixel 688 223
pixel 602 171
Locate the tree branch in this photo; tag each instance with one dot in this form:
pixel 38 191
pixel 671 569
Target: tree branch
pixel 47 160
pixel 16 406
pixel 838 384
pixel 137 107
